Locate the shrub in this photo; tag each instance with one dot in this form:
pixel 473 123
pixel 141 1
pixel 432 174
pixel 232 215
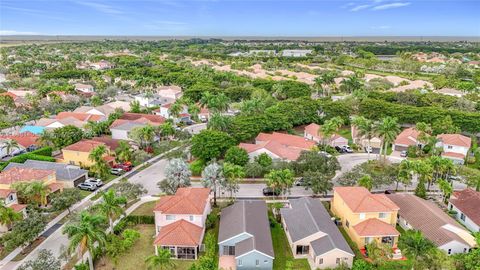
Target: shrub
pixel 45 151
pixel 197 167
pixel 131 221
pixel 211 221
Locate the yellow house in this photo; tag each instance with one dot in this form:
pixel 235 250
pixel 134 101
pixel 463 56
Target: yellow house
pixel 77 153
pixel 366 217
pixel 17 175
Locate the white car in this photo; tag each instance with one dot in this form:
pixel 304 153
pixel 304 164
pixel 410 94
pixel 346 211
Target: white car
pixel 97 182
pixel 347 149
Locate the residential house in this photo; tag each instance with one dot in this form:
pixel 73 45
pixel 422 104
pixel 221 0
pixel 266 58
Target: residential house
pixel 8 197
pixel 170 91
pixel 77 153
pixel 204 114
pixel 152 100
pixel 68 175
pixel 312 132
pixel 312 234
pixel 17 100
pixel 244 238
pixel 278 146
pixel 408 137
pixel 105 109
pixel 366 217
pixel 180 222
pixel 164 111
pixel 466 205
pixel 26 141
pixel 8 178
pixel 101 65
pixel 122 127
pixel 296 53
pixel 375 142
pixel 437 226
pixel 84 88
pixel 455 146
pixel 62 119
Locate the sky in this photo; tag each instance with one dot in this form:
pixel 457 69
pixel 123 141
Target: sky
pixel 241 18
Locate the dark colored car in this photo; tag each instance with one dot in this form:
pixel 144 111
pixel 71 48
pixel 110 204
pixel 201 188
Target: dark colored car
pixel 270 192
pixel 87 186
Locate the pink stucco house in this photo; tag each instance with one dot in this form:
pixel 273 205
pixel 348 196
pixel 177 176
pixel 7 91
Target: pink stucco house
pixel 180 221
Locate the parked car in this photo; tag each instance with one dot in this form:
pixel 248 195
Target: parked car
pixel 455 178
pixel 268 191
pixel 368 149
pixel 116 171
pixel 127 166
pixel 403 153
pixel 347 149
pixel 97 182
pixel 87 186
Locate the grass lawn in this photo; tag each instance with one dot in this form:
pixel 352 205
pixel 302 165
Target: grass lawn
pixel 145 209
pixel 282 250
pixel 346 133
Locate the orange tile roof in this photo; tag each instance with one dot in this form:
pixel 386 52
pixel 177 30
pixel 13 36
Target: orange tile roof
pixel 374 227
pixel 360 200
pixel 83 146
pixel 282 151
pixel 80 116
pixel 407 137
pixel 24 139
pixel 18 207
pixel 468 201
pixel 453 155
pixel 55 187
pixel 185 201
pixel 455 139
pixel 10 94
pixel 111 143
pixel 286 139
pixel 151 117
pixel 179 233
pixel 17 174
pixel 4 192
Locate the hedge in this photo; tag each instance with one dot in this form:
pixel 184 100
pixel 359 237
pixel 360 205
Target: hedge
pixel 45 151
pixel 377 109
pixel 131 221
pixel 24 157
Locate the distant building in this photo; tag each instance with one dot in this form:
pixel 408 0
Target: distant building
pixel 450 92
pixel 466 204
pixel 455 146
pixel 26 141
pixel 408 137
pixel 296 53
pixel 9 199
pixel 312 132
pixel 419 214
pixel 84 88
pixel 101 65
pixel 105 109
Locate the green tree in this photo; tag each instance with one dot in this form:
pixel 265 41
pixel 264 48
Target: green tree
pixel 415 246
pixel 210 144
pixel 129 190
pixel 84 233
pixel 212 176
pixel 444 125
pixel 253 169
pixel 24 231
pixel 8 216
pixel 32 192
pixel 177 174
pixel 420 190
pixel 329 128
pixel 143 136
pixel 124 152
pixel 351 84
pixel 111 205
pixel 44 261
pixel 64 200
pixel 446 189
pixel 218 121
pixel 162 260
pixel 66 135
pixel 100 166
pixel 281 180
pixel 264 160
pixel 318 182
pixel 365 129
pixel 237 156
pixel 387 129
pixel 366 182
pixel 9 145
pixel 135 107
pixel 232 173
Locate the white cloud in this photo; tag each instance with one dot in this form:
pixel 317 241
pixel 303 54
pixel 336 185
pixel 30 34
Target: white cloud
pixel 392 5
pixel 13 33
pixel 359 7
pixel 101 7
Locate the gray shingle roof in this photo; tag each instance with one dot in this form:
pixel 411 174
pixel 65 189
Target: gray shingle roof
pixel 247 217
pixel 64 172
pixel 129 126
pixel 308 216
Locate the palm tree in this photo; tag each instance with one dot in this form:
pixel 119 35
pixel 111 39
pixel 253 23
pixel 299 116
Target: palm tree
pixel 46 138
pixel 446 189
pixel 218 122
pixel 365 129
pixel 415 246
pixel 164 130
pixel 351 84
pixel 194 110
pixel 175 109
pixel 111 205
pixel 100 166
pixel 123 152
pixel 9 145
pixel 8 215
pixel 387 129
pixel 84 233
pixel 161 260
pixel 330 127
pixel 405 174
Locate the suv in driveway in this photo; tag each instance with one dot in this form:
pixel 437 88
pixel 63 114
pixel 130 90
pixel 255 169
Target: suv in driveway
pixel 268 191
pixel 97 182
pixel 116 171
pixel 87 186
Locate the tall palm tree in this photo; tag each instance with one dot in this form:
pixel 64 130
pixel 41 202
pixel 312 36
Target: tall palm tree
pixel 387 129
pixel 100 166
pixel 112 205
pixel 330 127
pixel 162 260
pixel 8 215
pixel 351 84
pixel 46 138
pixel 218 122
pixel 9 145
pixel 84 233
pixel 414 245
pixel 124 152
pixel 406 171
pixel 446 189
pixel 365 129
pixel 175 110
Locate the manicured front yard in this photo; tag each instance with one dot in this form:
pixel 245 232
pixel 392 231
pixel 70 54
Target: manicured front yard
pixel 145 209
pixel 282 250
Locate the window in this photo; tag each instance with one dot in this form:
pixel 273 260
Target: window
pixel 449 251
pixel 465 250
pixel 191 218
pixel 265 261
pixel 10 198
pixel 257 262
pixel 302 250
pixel 320 261
pixel 170 217
pixel 347 223
pixel 451 207
pixel 368 240
pixel 362 215
pixel 449 147
pixel 462 216
pixel 240 262
pixel 229 250
pixel 382 215
pixel 338 261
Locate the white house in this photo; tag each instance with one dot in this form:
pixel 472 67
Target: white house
pixel 180 221
pixel 437 226
pixel 170 92
pixel 466 204
pixel 164 111
pixel 85 88
pixel 296 53
pixel 9 199
pixel 455 146
pixel 311 132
